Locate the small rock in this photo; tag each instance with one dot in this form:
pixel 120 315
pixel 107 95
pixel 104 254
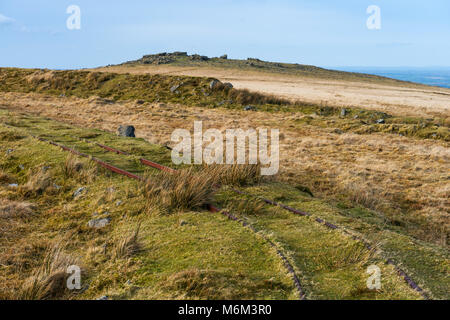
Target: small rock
pixel 183 223
pixel 250 108
pixel 13 185
pixel 62 95
pixel 56 186
pixel 21 167
pixel 213 84
pixel 118 203
pixel 9 151
pixel 343 112
pixel 103 298
pixel 78 192
pixel 99 223
pixel 174 88
pixel 356 117
pixel 140 101
pixel 126 131
pixel 381 121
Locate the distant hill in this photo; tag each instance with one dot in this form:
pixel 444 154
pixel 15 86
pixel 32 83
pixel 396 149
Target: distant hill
pixel 183 59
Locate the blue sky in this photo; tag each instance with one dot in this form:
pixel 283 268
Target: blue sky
pixel 33 33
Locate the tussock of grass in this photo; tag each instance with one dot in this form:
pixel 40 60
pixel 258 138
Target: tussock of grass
pixel 38 182
pixel 236 174
pixel 183 190
pixel 79 169
pixel 127 246
pixel 10 136
pixel 49 281
pixel 351 254
pixel 5 178
pixel 247 207
pixel 15 209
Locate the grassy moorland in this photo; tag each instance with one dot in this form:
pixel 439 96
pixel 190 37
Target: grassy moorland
pixel 194 91
pixel 152 249
pixel 383 181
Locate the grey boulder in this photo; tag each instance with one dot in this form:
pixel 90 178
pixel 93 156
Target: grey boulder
pixel 99 223
pixel 126 131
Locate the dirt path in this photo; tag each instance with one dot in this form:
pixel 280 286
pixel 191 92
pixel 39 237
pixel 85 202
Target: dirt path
pixel 407 99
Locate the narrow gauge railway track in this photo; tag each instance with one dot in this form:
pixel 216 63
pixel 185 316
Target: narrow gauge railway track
pixel 289 268
pixel 411 283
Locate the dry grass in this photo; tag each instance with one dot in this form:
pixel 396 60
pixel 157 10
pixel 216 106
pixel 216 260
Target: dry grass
pixel 246 207
pixel 127 246
pixel 401 177
pixel 5 178
pixel 352 254
pixel 39 181
pixel 15 209
pixel 81 170
pixel 236 174
pixel 49 281
pixel 183 190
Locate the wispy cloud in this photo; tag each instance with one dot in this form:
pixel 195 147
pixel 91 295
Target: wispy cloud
pixel 5 20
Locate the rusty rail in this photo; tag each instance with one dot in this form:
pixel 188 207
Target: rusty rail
pixel 210 207
pixel 412 284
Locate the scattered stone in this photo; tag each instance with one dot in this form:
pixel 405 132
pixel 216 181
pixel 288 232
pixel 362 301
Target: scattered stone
pixel 381 121
pixel 62 95
pixel 56 186
pixel 250 108
pixel 343 112
pixel 13 185
pixel 213 84
pixel 183 223
pixel 199 57
pixel 118 203
pixel 79 192
pixel 103 298
pixel 174 89
pixel 9 151
pixel 126 131
pixel 356 117
pixel 99 223
pixel 225 56
pixel 21 167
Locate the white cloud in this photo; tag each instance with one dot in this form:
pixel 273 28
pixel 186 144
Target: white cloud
pixel 5 19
